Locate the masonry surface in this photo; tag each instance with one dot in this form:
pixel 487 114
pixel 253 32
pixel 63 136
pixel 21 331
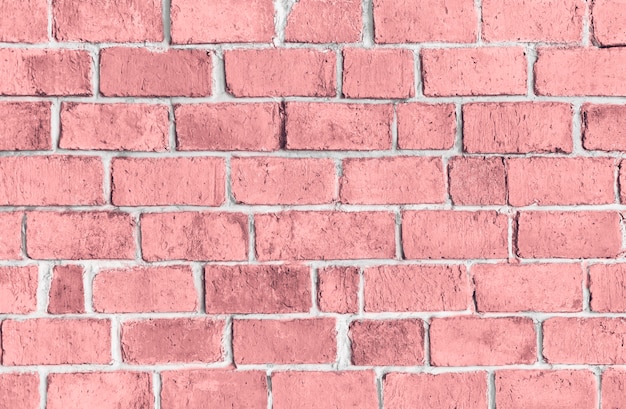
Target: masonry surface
pixel 312 204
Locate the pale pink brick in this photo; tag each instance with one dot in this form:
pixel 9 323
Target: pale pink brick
pixel 607 287
pixel 23 21
pixel 337 289
pixel 67 295
pixel 11 235
pixel 18 289
pixel 477 180
pixel 608 22
pixel 426 126
pixel 25 126
pixel 324 21
pixel 604 127
pixel 613 385
pixel 20 390
pixel 388 342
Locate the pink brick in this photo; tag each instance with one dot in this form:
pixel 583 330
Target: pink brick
pixel 277 289
pixel 324 235
pixel 279 72
pixel 67 295
pixel 604 127
pixel 416 288
pixel 446 390
pixel 233 21
pixel 11 235
pixel 560 181
pixel 528 287
pixel 20 390
pixel 175 340
pixel 388 342
pixel 80 235
pixel 580 71
pixel 168 181
pixel 607 287
pixel 477 180
pixel 517 127
pixel 43 341
pixel 586 341
pixel 397 180
pixel 337 289
pixel 18 289
pixel 469 341
pixel 608 22
pixel 98 21
pixel 192 389
pixel 556 21
pixel 102 390
pixel 25 126
pixel 425 126
pixel 116 127
pixel 42 72
pixel 324 21
pixel 129 71
pixel 266 180
pixel 304 341
pixel 219 127
pixel 474 71
pixel 546 389
pixel 447 234
pixel 23 21
pixel 568 235
pixel 424 21
pixel 145 289
pixel 328 126
pixel 378 73
pixel 194 236
pixel 613 384
pixel 51 180
pixel 324 390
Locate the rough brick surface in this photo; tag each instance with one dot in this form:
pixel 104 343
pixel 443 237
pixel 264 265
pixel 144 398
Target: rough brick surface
pixel 604 127
pixel 324 21
pixel 337 289
pixel 607 287
pixel 32 16
pixel 20 390
pixel 426 126
pixel 608 22
pixel 67 294
pixel 389 342
pixel 477 181
pixel 18 289
pixel 613 383
pixel 11 235
pixel 25 126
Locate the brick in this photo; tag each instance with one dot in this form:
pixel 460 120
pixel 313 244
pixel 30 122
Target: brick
pixel 528 287
pixel 324 390
pixel 397 180
pixel 426 21
pixel 447 234
pixel 277 289
pixel 517 127
pixel 145 289
pixel 194 236
pixel 477 180
pixel 276 72
pixel 608 22
pixel 470 341
pixel 23 21
pixel 18 289
pixel 607 287
pixel 266 180
pixel 303 341
pixel 580 71
pixel 234 21
pixel 80 235
pixel 328 126
pixel 20 390
pixel 175 340
pixel 43 341
pixel 42 72
pixel 218 127
pixel 604 127
pixel 323 21
pixel 296 235
pixel 98 21
pixel 11 235
pixel 388 342
pixel 192 389
pixel 168 181
pixel 103 390
pixel 470 71
pixel 556 21
pixel 129 71
pixel 416 288
pixel 51 180
pixel 586 341
pixel 378 73
pixel 25 126
pixel 426 126
pixel 67 295
pixel 114 127
pixel 445 390
pixel 560 181
pixel 545 389
pixel 568 235
pixel 613 384
pixel 337 289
